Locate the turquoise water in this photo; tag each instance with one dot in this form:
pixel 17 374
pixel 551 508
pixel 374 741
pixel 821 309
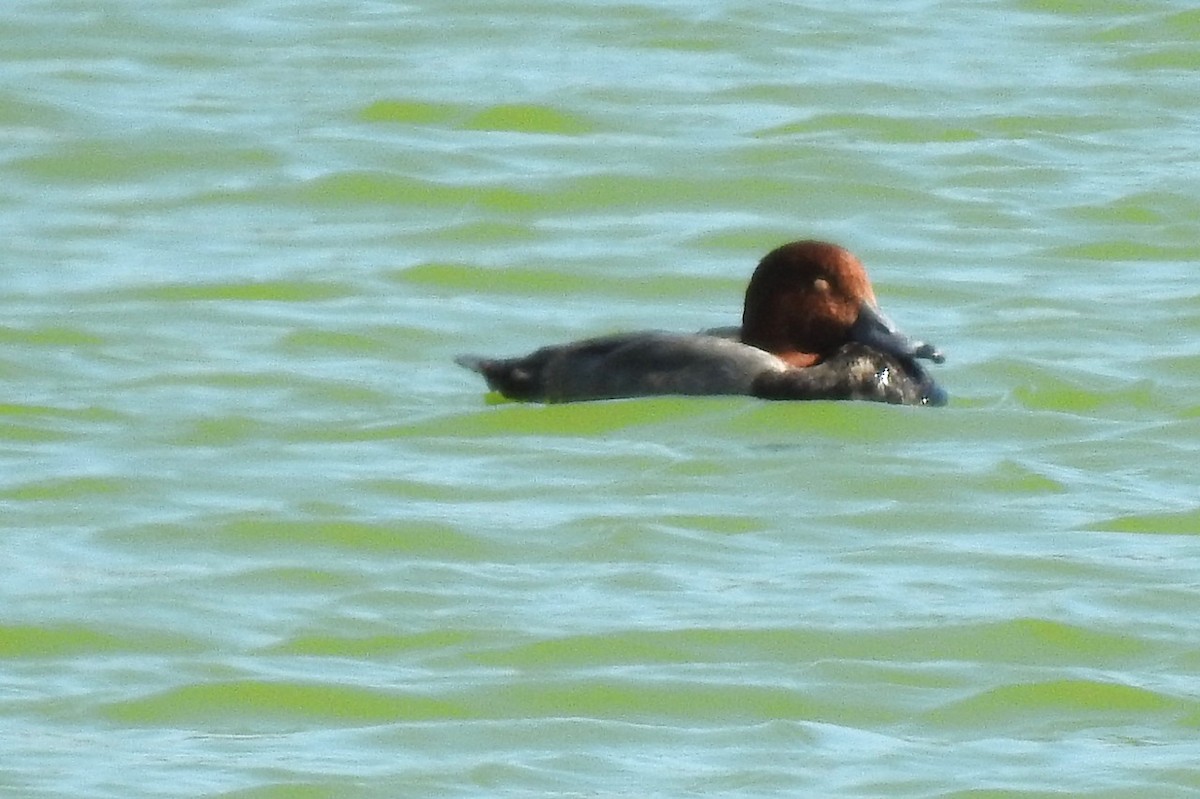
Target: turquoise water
pixel 262 538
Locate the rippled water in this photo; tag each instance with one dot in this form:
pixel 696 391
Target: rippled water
pixel 262 538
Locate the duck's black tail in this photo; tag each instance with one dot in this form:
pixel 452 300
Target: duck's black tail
pixel 475 363
pixel 509 376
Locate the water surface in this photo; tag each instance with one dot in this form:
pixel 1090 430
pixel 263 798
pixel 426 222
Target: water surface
pixel 263 538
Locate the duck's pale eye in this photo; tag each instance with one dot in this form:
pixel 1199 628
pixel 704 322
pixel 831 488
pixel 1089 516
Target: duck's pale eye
pixel 821 285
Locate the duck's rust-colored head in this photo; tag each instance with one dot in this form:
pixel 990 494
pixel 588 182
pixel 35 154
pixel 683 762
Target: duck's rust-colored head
pixel 807 299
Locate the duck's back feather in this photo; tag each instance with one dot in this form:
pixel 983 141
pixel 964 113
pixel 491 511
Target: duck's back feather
pixel 655 363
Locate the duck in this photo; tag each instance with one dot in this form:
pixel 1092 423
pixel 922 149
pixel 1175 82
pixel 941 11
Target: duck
pixel 811 329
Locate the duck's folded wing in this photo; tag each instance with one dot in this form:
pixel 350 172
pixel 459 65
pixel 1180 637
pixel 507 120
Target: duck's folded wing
pixel 628 365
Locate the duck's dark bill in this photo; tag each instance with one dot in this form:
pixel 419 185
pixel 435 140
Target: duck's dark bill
pixel 876 330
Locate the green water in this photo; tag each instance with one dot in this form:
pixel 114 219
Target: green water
pixel 262 538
